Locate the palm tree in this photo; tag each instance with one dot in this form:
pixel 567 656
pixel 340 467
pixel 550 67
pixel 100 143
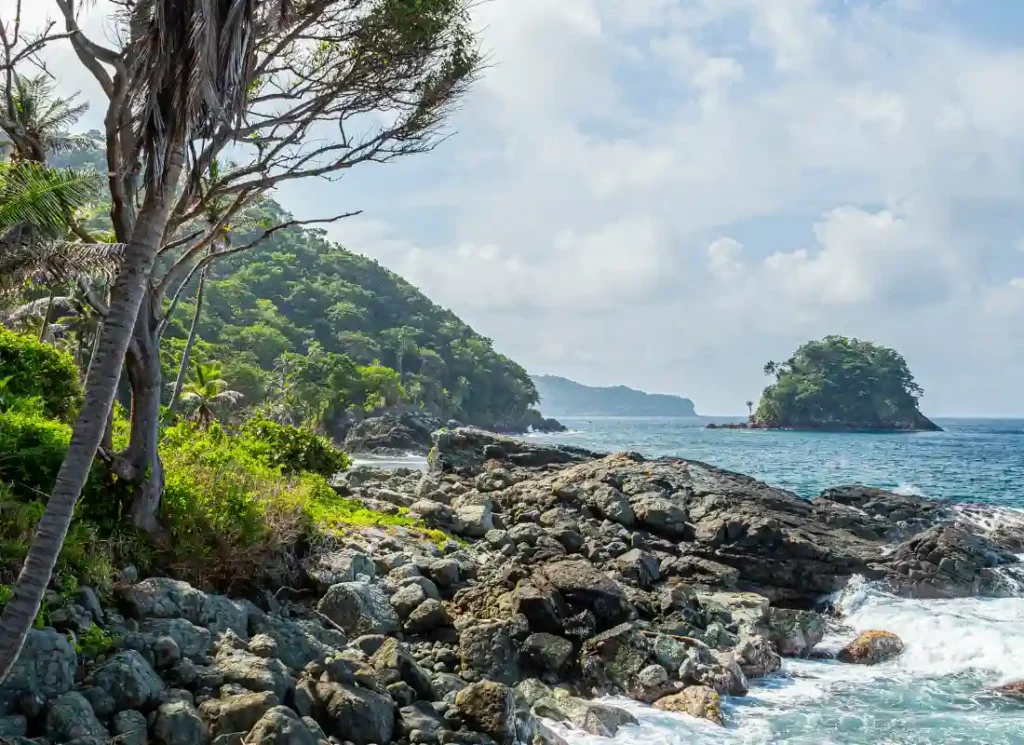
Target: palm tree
pixel 38 121
pixel 183 72
pixel 206 391
pixel 750 408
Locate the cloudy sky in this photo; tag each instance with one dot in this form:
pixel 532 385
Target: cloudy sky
pixel 668 193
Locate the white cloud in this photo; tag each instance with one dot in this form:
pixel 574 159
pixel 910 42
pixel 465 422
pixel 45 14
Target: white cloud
pixel 724 258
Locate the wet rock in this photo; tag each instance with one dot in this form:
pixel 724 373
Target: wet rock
pixel 490 650
pixel 716 670
pixel 756 657
pixel 332 567
pixel 547 651
pixel 357 715
pixel 611 660
pixel 45 668
pixel 178 723
pixel 582 586
pixel 129 680
pixel 281 726
pixel 489 707
pixel 359 608
pixel 70 717
pixel 668 651
pixel 428 615
pixel 590 716
pixel 1013 690
pixel 871 648
pixel 877 514
pixel 795 632
pixel 697 701
pixel 130 728
pixel 236 713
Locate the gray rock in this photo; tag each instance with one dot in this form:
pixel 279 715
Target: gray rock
pixel 129 680
pixel 547 651
pixel 473 516
pixel 13 726
pixel 86 597
pixel 428 615
pixel 582 586
pixel 254 673
pixel 301 641
pixel 669 652
pixel 193 641
pixel 489 708
pixel 544 609
pixel 70 717
pixel 590 716
pixel 423 718
pixel 281 726
pixel 436 514
pixel 236 713
pixel 359 608
pixel 489 649
pixel 46 667
pixel 178 723
pixel 611 660
pixel 795 632
pixel 356 714
pixel 392 656
pixel 756 657
pixel 639 566
pixel 407 599
pixel 613 504
pixel 661 516
pixel 331 567
pixel 166 652
pixel 130 727
pixel 444 572
pixel 447 683
pixel 160 597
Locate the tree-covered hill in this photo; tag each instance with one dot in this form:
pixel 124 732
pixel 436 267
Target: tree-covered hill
pixel 298 296
pixel 842 384
pixel 562 397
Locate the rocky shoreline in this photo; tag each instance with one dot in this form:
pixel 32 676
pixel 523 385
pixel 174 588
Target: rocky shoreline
pixel 570 575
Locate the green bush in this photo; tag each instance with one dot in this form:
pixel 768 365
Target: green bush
pixel 292 448
pixel 29 368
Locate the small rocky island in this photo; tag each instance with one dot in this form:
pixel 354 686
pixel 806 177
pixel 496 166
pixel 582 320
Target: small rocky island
pixel 568 575
pixel 843 385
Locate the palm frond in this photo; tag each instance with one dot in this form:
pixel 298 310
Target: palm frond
pixel 40 197
pixel 49 263
pixel 35 309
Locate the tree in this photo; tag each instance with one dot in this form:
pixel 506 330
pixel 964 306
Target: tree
pixel 750 408
pixel 206 392
pixel 37 121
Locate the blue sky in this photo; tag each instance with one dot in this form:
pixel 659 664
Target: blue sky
pixel 667 193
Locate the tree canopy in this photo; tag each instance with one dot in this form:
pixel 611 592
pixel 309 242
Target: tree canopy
pixel 842 383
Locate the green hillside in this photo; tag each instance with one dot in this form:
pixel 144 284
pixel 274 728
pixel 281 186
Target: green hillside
pixel 562 397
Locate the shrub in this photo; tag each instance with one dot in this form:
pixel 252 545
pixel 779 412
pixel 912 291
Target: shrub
pixel 29 368
pixel 292 448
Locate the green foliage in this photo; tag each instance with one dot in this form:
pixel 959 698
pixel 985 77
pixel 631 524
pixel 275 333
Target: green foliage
pixel 293 449
pixel 94 642
pixel 308 326
pixel 29 368
pixel 841 383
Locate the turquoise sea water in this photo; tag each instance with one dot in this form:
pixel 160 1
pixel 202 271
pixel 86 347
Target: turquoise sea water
pixel 936 691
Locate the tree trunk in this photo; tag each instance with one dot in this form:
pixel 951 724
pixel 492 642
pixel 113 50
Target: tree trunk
pixel 126 298
pixel 142 363
pixel 46 314
pixel 193 332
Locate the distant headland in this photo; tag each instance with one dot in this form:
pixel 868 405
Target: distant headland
pixel 561 397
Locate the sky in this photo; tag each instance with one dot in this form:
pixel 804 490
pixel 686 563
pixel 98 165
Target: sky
pixel 666 194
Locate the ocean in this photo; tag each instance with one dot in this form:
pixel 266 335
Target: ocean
pixel 955 649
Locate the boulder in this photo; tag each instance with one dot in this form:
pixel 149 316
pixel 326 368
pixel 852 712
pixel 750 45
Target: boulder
pixel 391 434
pixel 423 718
pixel 331 567
pixel 661 516
pixel 129 680
pixel 547 651
pixel 130 728
pixel 178 723
pixel 795 632
pixel 70 717
pixel 357 715
pixel 282 726
pixel 13 726
pixel 871 648
pixel 697 701
pixel 582 586
pixel 489 708
pixel 756 657
pixel 407 599
pixel 193 641
pixel 300 641
pixel 45 668
pixel 611 660
pixel 612 504
pixel 392 656
pixel 1013 690
pixel 254 673
pixel 473 517
pixel 489 649
pixel 359 608
pixel 543 609
pixel 236 713
pixel 428 615
pixel 161 597
pixel 590 716
pixel 638 566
